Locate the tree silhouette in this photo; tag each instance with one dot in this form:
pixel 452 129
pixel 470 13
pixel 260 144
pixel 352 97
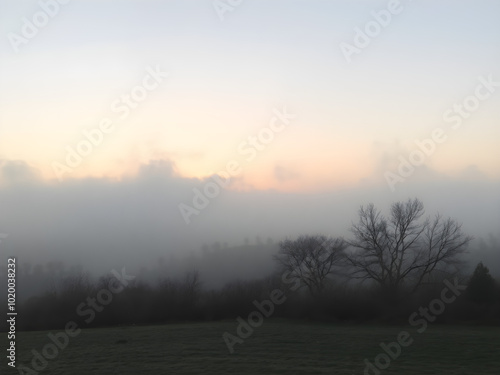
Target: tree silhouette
pixel 482 288
pixel 310 259
pixel 403 250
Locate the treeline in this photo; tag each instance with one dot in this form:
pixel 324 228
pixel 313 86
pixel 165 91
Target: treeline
pixel 89 304
pixel 395 268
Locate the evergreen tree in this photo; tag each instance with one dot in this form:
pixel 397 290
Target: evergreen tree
pixel 482 288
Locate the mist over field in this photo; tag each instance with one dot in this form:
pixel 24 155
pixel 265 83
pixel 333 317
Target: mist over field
pixel 100 223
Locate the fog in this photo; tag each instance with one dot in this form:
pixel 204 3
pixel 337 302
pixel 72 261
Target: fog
pixel 135 222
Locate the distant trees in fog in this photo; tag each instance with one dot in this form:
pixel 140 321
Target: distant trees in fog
pixel 400 252
pixel 184 299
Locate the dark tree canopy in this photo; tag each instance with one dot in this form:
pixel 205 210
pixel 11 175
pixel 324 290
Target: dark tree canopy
pixel 403 249
pixel 482 288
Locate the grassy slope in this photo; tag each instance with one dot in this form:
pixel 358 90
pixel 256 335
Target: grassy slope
pixel 277 347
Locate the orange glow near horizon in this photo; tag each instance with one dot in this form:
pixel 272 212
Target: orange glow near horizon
pixel 350 123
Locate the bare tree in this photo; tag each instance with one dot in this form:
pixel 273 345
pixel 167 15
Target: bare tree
pixel 310 259
pixel 403 249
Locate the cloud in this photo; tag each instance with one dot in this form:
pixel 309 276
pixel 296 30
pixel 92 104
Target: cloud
pixel 472 173
pixel 283 174
pixel 158 168
pixel 14 172
pixel 103 223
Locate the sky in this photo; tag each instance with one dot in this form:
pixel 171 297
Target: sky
pixel 299 102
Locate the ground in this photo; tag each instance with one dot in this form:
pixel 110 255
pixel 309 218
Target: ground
pixel 276 347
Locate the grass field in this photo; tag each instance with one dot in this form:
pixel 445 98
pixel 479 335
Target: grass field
pixel 277 347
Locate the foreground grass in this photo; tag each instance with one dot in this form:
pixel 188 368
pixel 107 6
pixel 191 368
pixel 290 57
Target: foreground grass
pixel 277 347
